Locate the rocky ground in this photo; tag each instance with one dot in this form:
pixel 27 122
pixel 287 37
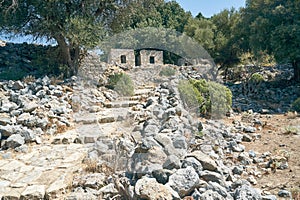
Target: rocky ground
pixel 76 140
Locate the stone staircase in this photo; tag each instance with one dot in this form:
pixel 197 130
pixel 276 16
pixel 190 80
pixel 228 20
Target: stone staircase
pixel 109 119
pixel 46 171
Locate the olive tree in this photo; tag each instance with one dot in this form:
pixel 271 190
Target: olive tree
pixel 74 24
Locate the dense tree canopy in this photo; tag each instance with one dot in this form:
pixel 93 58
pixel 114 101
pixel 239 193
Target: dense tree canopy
pixel 226 47
pixel 274 26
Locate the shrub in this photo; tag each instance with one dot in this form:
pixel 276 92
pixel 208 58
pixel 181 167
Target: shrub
pixel 253 85
pixel 203 88
pixel 212 99
pixel 296 105
pixel 189 95
pixel 121 83
pixel 220 99
pixel 167 71
pixel 256 78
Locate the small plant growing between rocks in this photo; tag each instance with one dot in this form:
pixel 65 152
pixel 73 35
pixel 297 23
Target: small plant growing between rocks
pixel 295 193
pixel 292 130
pixel 91 166
pixel 256 78
pixel 121 83
pixel 29 79
pixel 167 71
pixel 252 86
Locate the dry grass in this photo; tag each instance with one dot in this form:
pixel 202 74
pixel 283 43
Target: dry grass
pixel 91 166
pixel 29 79
pixel 295 194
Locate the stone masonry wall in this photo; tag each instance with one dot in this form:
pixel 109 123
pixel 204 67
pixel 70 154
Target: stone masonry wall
pixel 127 54
pixel 145 57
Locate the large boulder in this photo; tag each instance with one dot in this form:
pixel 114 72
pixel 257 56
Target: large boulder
pixel 206 162
pixel 13 141
pixel 184 181
pixel 148 188
pixel 247 192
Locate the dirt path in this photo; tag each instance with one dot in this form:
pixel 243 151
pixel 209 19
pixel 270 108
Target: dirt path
pixel 279 135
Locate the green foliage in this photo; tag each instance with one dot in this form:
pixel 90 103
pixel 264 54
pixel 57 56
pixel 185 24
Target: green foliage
pixel 13 74
pixel 261 59
pixel 296 105
pixel 151 13
pixel 220 99
pixel 121 83
pixel 113 80
pixel 167 71
pixel 226 37
pixel 202 31
pixel 46 64
pixel 256 78
pixel 274 27
pixel 189 95
pixel 200 134
pixel 212 99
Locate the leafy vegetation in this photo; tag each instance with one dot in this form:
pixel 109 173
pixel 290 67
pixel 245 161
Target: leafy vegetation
pixel 15 74
pixel 296 105
pixel 211 98
pixel 167 71
pixel 256 78
pixel 189 95
pixel 121 83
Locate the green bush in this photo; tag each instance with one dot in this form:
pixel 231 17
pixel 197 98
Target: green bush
pixel 189 95
pixel 167 71
pixel 212 99
pixel 121 83
pixel 296 105
pixel 256 78
pixel 220 99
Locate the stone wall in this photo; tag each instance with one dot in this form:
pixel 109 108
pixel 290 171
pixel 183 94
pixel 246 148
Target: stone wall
pixel 151 57
pixel 122 57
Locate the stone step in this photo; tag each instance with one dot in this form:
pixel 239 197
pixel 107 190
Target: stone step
pixel 85 118
pixel 130 98
pixel 144 91
pixel 120 104
pixel 69 137
pixel 146 87
pixel 90 133
pixel 110 115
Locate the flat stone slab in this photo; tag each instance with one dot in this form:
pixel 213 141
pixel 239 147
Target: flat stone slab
pixel 34 192
pixel 45 172
pixel 85 118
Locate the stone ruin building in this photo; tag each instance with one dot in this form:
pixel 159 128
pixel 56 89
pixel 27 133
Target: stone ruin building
pixel 132 57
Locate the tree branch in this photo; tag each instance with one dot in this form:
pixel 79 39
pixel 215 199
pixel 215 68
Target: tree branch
pixel 13 6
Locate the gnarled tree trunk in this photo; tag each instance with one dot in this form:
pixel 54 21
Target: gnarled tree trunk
pixel 69 55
